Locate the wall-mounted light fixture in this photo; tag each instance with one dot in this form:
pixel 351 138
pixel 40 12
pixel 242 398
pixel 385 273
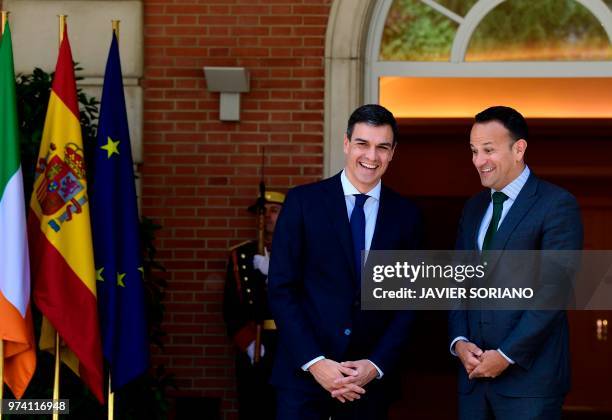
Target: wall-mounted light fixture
pixel 602 329
pixel 230 82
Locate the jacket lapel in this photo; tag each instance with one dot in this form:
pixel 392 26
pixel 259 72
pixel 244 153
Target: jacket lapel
pixel 383 223
pixel 524 201
pixel 473 227
pixel 336 209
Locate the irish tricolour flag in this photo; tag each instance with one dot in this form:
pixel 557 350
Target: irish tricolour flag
pixel 15 316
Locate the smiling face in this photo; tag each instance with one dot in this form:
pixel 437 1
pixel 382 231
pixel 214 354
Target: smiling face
pixel 368 153
pixel 498 159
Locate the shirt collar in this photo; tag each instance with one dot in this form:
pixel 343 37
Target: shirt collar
pixel 349 189
pixel 513 189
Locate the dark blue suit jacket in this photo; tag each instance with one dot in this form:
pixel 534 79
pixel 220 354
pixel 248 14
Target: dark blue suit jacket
pixel 543 217
pixel 312 286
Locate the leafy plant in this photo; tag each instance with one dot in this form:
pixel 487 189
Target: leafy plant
pixel 565 27
pixel 416 32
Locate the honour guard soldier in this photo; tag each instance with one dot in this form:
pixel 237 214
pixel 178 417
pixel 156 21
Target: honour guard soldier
pixel 247 316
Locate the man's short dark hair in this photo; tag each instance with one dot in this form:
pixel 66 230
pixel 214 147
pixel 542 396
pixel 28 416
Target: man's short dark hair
pixel 508 117
pixel 372 114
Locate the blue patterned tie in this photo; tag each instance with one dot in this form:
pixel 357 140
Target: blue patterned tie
pixel 358 223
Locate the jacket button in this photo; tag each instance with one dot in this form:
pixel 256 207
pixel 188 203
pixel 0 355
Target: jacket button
pixel 347 331
pixel 356 304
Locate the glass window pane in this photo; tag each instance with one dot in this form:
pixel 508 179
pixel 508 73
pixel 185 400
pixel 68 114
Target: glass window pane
pixel 460 7
pixel 416 32
pixel 543 30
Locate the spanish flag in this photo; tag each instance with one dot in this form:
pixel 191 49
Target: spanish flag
pixel 63 274
pixel 16 331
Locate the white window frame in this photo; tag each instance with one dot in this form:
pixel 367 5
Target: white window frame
pixel 457 67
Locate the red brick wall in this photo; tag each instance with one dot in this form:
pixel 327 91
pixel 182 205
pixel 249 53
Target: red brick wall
pixel 199 174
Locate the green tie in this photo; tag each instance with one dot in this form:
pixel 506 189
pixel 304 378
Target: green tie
pixel 498 198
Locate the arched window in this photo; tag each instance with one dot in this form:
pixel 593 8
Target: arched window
pixel 450 58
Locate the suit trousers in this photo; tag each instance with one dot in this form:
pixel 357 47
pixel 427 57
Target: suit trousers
pixel 483 403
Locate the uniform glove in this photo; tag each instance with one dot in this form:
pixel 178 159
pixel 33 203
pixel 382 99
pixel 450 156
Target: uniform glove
pixel 262 262
pixel 251 351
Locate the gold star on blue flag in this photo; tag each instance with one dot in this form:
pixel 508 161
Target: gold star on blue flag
pixel 120 277
pixel 111 147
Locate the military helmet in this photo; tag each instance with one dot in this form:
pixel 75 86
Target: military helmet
pixel 271 197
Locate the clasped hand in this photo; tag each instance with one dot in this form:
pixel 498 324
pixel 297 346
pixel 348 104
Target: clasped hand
pixel 478 363
pixel 344 381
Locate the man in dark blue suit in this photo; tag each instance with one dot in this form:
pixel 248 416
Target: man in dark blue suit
pixel 330 351
pixel 515 364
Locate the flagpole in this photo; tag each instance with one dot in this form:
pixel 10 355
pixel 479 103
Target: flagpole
pixel 1 339
pixel 111 394
pixel 4 19
pixel 111 399
pixel 56 376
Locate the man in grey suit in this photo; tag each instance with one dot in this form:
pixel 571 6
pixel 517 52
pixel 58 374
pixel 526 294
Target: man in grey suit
pixel 514 364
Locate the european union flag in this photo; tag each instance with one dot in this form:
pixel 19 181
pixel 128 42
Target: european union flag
pixel 117 252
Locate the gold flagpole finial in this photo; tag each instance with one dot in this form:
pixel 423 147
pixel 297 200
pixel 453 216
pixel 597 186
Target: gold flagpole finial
pixel 115 23
pixel 62 25
pixel 4 19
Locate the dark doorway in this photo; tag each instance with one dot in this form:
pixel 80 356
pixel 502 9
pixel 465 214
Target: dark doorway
pixel 433 167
